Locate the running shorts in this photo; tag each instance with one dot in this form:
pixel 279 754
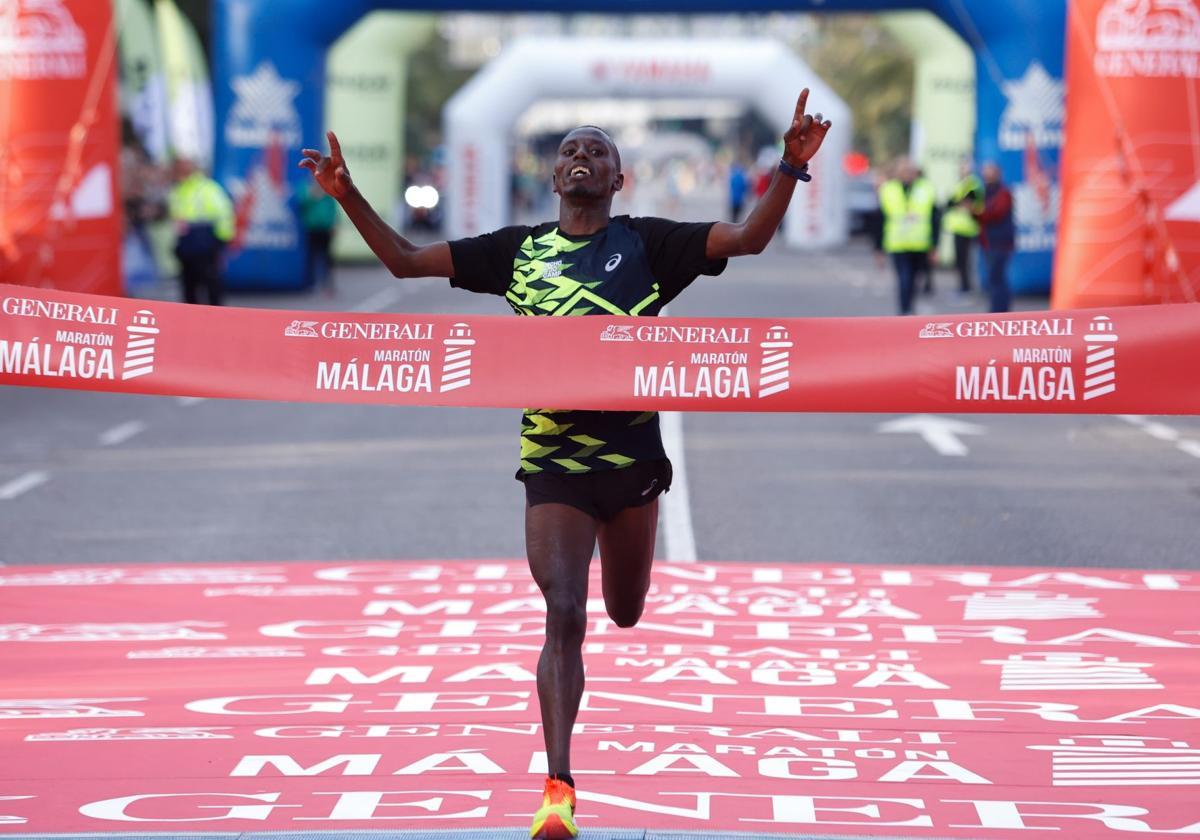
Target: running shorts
pixel 601 494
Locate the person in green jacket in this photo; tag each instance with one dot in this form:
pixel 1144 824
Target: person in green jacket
pixel 909 205
pixel 960 222
pixel 318 215
pixel 204 224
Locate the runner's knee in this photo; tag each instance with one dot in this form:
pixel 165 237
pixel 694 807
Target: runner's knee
pixel 627 613
pixel 566 617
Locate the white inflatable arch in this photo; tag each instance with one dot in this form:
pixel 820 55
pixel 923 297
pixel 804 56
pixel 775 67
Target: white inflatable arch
pixel 762 73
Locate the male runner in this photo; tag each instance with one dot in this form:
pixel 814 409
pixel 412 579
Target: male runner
pixel 590 476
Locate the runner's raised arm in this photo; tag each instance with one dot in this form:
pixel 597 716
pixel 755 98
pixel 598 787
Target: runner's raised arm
pixel 801 141
pixel 402 258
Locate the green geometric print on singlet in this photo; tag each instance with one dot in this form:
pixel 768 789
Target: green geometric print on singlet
pixel 542 286
pixel 573 441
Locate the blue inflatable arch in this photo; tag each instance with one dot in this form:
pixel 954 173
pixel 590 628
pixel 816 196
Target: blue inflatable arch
pixel 269 84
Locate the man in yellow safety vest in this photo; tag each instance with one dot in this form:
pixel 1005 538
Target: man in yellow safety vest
pixel 960 222
pixel 909 204
pixel 204 223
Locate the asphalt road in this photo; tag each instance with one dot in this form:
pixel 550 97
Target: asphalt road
pixel 94 478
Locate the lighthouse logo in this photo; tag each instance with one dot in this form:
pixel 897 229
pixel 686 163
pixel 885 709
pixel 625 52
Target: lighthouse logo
pixel 139 350
pixel 456 367
pixel 775 374
pixel 1100 378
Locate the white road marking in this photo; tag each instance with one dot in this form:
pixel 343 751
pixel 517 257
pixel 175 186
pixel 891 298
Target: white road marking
pixel 1160 431
pixel 1191 447
pixel 381 300
pixel 941 433
pixel 679 538
pixel 1163 432
pixel 121 433
pixel 22 484
pixel 678 535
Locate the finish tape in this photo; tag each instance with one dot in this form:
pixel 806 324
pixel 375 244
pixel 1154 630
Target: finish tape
pixel 1128 360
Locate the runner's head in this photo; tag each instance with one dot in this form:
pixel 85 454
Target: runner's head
pixel 588 166
pixel 992 173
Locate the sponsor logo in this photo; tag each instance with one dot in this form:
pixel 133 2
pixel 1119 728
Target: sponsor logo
pixel 265 109
pixel 109 632
pixel 937 331
pixel 1006 328
pixel 1100 378
pixel 1148 38
pixel 360 331
pixel 143 733
pixel 58 311
pixel 155 577
pixel 692 335
pixel 1036 108
pixel 613 262
pixel 552 268
pixel 1122 760
pixel 652 71
pixel 773 377
pixel 217 653
pixel 40 40
pixel 67 708
pixel 139 350
pixel 301 329
pixel 1040 373
pixel 617 332
pixel 312 590
pixel 648 490
pixel 456 367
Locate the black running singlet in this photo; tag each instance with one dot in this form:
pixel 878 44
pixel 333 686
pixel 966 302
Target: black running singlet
pixel 635 266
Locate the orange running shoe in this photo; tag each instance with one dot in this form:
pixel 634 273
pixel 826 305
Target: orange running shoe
pixel 555 820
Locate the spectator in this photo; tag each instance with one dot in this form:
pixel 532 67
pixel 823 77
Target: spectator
pixel 961 223
pixel 739 185
pixel 204 223
pixel 908 204
pixel 998 236
pixel 318 215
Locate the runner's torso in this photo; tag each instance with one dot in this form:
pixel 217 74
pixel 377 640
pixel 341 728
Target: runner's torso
pixel 634 266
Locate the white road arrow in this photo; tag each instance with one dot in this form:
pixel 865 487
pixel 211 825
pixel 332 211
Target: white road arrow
pixel 941 433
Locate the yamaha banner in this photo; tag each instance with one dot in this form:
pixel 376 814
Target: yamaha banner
pixel 1092 361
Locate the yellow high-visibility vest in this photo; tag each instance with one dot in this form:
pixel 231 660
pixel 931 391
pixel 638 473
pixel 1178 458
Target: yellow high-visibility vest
pixel 907 216
pixel 200 199
pixel 957 220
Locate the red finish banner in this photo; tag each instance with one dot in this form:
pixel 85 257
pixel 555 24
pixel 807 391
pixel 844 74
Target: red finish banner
pixel 60 208
pixel 1130 228
pixel 1126 360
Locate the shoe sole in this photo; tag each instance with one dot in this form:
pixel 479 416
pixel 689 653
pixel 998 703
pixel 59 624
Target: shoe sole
pixel 554 829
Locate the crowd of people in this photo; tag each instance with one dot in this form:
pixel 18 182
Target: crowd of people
pixel 910 222
pixel 906 226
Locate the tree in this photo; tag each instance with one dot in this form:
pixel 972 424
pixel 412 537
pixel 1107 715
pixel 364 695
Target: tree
pixel 874 74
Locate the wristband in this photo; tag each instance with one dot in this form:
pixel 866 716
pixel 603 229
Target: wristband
pixel 800 173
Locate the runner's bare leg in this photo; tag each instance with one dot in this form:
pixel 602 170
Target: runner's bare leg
pixel 559 540
pixel 626 555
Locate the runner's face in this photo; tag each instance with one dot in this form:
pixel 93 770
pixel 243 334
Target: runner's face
pixel 587 166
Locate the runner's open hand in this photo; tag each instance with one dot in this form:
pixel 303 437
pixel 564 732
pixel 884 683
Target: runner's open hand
pixel 330 171
pixel 805 135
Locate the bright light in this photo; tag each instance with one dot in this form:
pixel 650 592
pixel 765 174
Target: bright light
pixel 421 197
